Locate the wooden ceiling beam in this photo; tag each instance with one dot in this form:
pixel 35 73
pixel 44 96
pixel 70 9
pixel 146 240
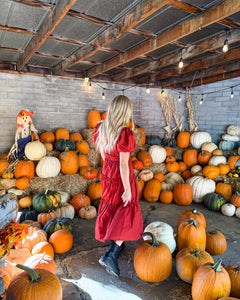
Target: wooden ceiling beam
pixel 50 23
pixel 191 51
pixel 123 25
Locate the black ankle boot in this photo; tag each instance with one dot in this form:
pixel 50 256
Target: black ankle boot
pixel 103 258
pixel 110 260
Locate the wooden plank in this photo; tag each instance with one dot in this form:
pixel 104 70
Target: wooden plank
pixel 206 18
pixel 50 23
pixel 127 22
pixel 191 51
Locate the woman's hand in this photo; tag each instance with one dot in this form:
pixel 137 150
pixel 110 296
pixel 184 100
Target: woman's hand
pixel 126 197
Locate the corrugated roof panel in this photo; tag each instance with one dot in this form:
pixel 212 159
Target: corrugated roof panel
pixel 198 3
pixel 43 61
pixel 114 71
pixel 81 67
pixel 57 48
pixel 164 51
pixel 76 29
pixel 126 41
pixel 134 63
pixel 14 40
pixel 5 7
pixel 101 56
pixel 9 56
pixel 235 17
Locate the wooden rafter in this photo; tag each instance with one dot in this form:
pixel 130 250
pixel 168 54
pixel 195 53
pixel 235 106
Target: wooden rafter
pixel 123 25
pixel 50 23
pixel 208 17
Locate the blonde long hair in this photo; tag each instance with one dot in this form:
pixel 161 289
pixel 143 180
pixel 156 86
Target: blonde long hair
pixel 119 112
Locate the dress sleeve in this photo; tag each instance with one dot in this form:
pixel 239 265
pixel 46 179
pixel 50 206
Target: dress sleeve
pixel 95 133
pixel 126 142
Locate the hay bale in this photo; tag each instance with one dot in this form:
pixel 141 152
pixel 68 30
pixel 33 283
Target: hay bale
pixel 143 147
pixel 178 153
pixel 6 184
pixel 94 158
pixel 138 136
pixel 234 182
pixel 88 136
pixel 54 153
pixel 155 168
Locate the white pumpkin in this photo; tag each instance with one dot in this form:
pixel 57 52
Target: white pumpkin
pixel 170 180
pixel 237 213
pixel 158 154
pixel 65 197
pixel 216 160
pixel 163 232
pixel 48 166
pixel 209 146
pixel 198 138
pixel 233 130
pixel 66 211
pixel 228 209
pixel 195 169
pixel 35 150
pixel 201 186
pixel 232 138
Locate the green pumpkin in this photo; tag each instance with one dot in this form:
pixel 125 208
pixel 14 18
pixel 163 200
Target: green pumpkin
pixel 46 201
pixel 226 145
pixel 169 142
pixel 214 201
pixel 28 214
pixel 65 145
pixel 153 140
pixel 56 224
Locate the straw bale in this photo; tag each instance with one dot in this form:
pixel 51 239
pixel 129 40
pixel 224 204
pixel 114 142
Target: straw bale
pixel 155 168
pixel 54 153
pixel 143 147
pixel 138 136
pixel 6 184
pixel 234 182
pixel 88 136
pixel 178 153
pixel 94 158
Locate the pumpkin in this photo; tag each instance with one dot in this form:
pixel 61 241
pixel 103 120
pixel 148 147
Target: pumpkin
pixel 62 133
pixel 172 166
pixel 27 214
pixel 80 200
pixel 216 160
pixel 65 145
pixel 159 176
pixel 137 165
pixel 3 166
pixel 33 237
pixel 211 172
pixel 224 169
pixel 145 158
pixel 69 162
pixel 82 147
pixel 163 232
pixel 22 183
pixel 43 261
pixel 43 218
pixel 66 210
pixel 216 243
pixel 34 284
pixel 145 175
pixel 104 115
pixel 211 281
pixel 196 169
pixel 87 212
pixel 46 201
pixel 183 194
pixel 47 137
pixel 25 201
pixel 232 138
pixel 235 199
pixel 82 161
pixel 233 130
pixel 141 185
pixel 203 157
pixel 237 213
pixel 190 157
pixel 31 223
pixel 234 274
pixel 131 124
pixel 24 169
pixel 213 201
pixel 48 166
pixel 183 139
pixel 198 138
pixel 59 223
pixel 61 240
pixel 225 189
pixel 201 186
pixel 188 260
pixel 153 139
pixel 191 213
pixel 132 158
pixel 232 160
pixel 170 159
pixel 171 179
pixel 169 150
pixel 76 137
pixel 228 209
pixel 191 234
pixel 217 152
pixel 209 146
pixel 94 191
pixel 43 247
pixel 88 172
pixel 226 145
pixel 182 166
pixel 65 197
pixel 35 150
pixel 48 146
pixel 152 190
pixel 166 197
pixel 186 174
pixel 158 154
pixel 7 175
pixel 143 138
pixel 152 260
pixel 93 118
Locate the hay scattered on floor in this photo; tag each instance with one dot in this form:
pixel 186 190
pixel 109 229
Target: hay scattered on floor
pixel 88 136
pixel 94 158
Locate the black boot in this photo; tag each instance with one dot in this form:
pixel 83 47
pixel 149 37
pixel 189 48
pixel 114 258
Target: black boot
pixel 110 260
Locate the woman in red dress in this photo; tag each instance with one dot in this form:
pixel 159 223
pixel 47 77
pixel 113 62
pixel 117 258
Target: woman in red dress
pixel 119 215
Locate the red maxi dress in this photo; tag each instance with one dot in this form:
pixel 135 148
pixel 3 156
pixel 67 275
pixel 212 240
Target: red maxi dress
pixel 114 221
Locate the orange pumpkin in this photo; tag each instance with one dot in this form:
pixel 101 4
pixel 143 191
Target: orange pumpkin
pixel 76 137
pixel 133 158
pixel 3 166
pixel 166 196
pixel 83 161
pixel 170 158
pixel 82 147
pixel 232 160
pixel 61 240
pixel 186 174
pixel 172 166
pixel 131 124
pixel 190 157
pixel 24 169
pixel 234 274
pixel 183 194
pixel 182 166
pixel 69 162
pixel 47 137
pixel 48 146
pixel 224 169
pixel 42 261
pixel 204 157
pixel 43 218
pixel 94 192
pixel 169 150
pixel 225 189
pixel 93 118
pixel 62 133
pixel 33 237
pixel 159 176
pixel 88 172
pixel 137 165
pixel 216 243
pixel 145 158
pixel 183 139
pixel 191 213
pixel 80 200
pixel 22 183
pixel 143 139
pixel 140 184
pixel 152 190
pixel 211 172
pixel 104 115
pixel 43 247
pixel 34 136
pixel 235 199
pixel 217 152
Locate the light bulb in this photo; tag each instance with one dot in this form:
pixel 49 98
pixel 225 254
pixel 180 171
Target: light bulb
pixel 103 96
pixel 180 65
pixel 225 46
pixel 162 92
pixel 148 90
pixel 89 86
pixel 179 99
pixel 86 79
pixel 232 95
pixel 201 101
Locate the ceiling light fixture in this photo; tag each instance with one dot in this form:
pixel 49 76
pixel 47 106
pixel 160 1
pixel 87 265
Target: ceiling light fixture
pixel 232 93
pixel 103 95
pixel 179 98
pixel 225 46
pixel 201 101
pixel 147 89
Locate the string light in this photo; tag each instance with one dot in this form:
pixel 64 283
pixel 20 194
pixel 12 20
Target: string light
pixel 103 95
pixel 86 79
pixel 225 46
pixel 162 91
pixel 89 85
pixel 179 98
pixel 232 93
pixel 147 89
pixel 180 64
pixel 201 101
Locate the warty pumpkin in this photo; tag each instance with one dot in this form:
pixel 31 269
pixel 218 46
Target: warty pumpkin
pixel 183 194
pixel 234 274
pixel 61 240
pixel 80 200
pixel 69 162
pixel 152 190
pixel 216 243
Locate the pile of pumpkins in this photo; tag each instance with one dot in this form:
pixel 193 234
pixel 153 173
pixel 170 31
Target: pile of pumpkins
pixel 194 262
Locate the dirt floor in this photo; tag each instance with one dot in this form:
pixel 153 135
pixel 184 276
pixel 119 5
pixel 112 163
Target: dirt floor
pixel 82 277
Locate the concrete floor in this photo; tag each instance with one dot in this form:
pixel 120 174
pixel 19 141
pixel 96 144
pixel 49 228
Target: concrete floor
pixel 83 278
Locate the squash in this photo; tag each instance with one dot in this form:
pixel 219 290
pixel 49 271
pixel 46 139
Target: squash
pixel 56 224
pixel 80 200
pixel 31 223
pixel 43 218
pixel 191 213
pixel 225 189
pixel 64 145
pixel 196 169
pixel 209 146
pixel 87 212
pixel 143 139
pixel 137 165
pixel 83 161
pixel 69 162
pixel 62 133
pixel 145 175
pixel 233 130
pixel 159 176
pixel 145 158
pixel 170 158
pixel 234 274
pixel 226 145
pixel 152 260
pixel 141 185
pixel 94 191
pixel 88 172
pixel 211 281
pixel 28 214
pixel 183 194
pixel 66 210
pixel 198 138
pixel 76 137
pixel 169 150
pixel 166 196
pixel 232 160
pixel 24 169
pixel 217 152
pixel 3 166
pixel 204 157
pixel 43 247
pixel 235 199
pixel 182 166
pixel 43 261
pixel 224 169
pixel 93 118
pixel 216 160
pixel 190 157
pixel 82 147
pixel 216 243
pixel 183 139
pixel 25 202
pixel 47 137
pixel 228 209
pixel 232 138
pixel 172 166
pixel 65 197
pixel 211 172
pixel 61 240
pixel 201 186
pixel 46 201
pixel 35 150
pixel 152 190
pixel 214 201
pixel 48 166
pixel 158 154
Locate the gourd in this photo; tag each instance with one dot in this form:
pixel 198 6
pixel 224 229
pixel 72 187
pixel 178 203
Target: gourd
pixel 234 273
pixel 69 162
pixel 226 145
pixel 46 201
pixel 211 172
pixel 216 243
pixel 43 247
pixel 233 130
pixel 195 169
pixel 152 190
pixel 47 137
pixel 35 150
pixel 224 169
pixel 43 218
pixel 183 139
pixel 56 224
pixel 48 146
pixel 198 138
pixel 65 145
pixel 145 158
pixel 82 147
pixel 25 202
pixel 158 154
pixel 66 210
pixel 232 138
pixel 163 232
pixel 214 201
pixel 80 200
pixel 94 191
pixel 24 169
pixel 61 240
pixel 93 118
pixel 87 212
pixel 209 146
pixel 48 166
pixel 183 194
pixel 201 186
pixel 62 133
pixel 191 213
pixel 152 260
pixel 216 160
pixel 145 175
pixel 228 209
pixel 42 261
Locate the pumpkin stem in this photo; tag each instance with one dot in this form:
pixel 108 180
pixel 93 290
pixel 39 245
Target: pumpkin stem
pixel 193 222
pixel 155 242
pixel 46 192
pixel 237 269
pixel 86 207
pixel 195 252
pixel 195 211
pixel 212 232
pixel 217 266
pixel 42 257
pixel 33 275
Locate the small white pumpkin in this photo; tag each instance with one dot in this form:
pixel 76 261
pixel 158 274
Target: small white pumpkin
pixel 158 154
pixel 35 150
pixel 201 186
pixel 209 146
pixel 233 130
pixel 228 209
pixel 65 197
pixel 217 159
pixel 237 213
pixel 198 138
pixel 232 138
pixel 195 169
pixel 48 166
pixel 66 211
pixel 163 232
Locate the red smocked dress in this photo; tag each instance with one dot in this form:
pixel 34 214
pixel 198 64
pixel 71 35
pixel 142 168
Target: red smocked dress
pixel 114 221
